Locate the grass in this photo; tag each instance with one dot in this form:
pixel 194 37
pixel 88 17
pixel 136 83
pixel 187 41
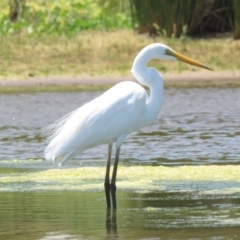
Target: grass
pixel 101 53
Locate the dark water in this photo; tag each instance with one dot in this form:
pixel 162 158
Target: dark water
pixel 196 127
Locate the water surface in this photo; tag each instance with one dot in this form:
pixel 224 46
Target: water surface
pixel 177 179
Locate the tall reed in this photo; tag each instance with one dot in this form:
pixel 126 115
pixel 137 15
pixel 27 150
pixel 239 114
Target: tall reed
pixel 172 15
pixel 236 32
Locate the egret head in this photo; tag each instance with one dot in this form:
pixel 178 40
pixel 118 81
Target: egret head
pixel 158 51
pixel 161 51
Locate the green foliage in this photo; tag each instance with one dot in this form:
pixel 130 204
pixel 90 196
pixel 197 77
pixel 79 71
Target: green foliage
pixel 169 18
pixel 61 17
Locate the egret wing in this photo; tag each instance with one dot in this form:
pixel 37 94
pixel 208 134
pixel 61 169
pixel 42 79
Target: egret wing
pixel 117 112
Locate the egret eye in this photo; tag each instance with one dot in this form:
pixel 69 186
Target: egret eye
pixel 169 52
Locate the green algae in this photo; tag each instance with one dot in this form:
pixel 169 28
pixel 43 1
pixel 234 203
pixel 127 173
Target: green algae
pixel 38 175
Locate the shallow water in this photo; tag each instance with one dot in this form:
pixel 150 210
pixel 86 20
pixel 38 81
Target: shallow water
pixel 177 179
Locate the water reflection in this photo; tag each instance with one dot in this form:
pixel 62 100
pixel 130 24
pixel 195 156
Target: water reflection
pixel 83 215
pixel 111 224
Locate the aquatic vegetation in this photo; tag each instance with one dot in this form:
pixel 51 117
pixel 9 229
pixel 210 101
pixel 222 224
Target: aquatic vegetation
pixel 38 175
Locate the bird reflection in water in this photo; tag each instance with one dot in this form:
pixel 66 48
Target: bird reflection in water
pixel 111 224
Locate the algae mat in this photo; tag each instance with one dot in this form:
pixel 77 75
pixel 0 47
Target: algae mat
pixel 38 175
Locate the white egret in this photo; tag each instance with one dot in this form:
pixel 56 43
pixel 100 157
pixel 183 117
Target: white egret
pixel 109 118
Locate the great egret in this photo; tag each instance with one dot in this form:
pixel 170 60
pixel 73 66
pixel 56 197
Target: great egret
pixel 109 118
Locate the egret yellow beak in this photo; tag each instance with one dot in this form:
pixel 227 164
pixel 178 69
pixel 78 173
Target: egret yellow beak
pixel 185 59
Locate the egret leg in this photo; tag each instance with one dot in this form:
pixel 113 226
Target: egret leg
pixel 114 174
pixel 107 182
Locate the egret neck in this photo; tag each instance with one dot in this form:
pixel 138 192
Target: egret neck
pixel 151 78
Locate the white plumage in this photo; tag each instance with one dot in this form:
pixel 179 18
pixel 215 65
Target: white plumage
pixel 100 121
